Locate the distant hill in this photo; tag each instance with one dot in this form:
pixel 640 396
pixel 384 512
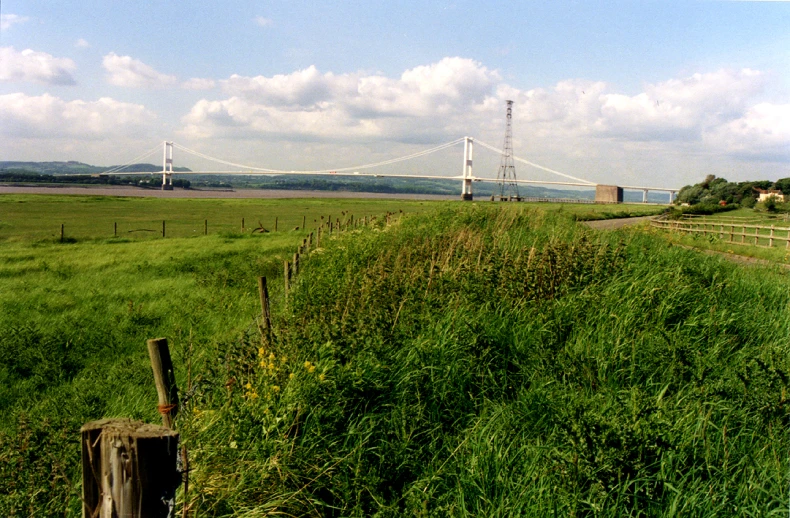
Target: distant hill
pixel 72 167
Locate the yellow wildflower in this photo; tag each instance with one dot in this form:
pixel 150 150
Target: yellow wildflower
pixel 321 377
pixel 307 365
pixel 261 351
pixel 248 386
pixel 276 388
pixel 311 368
pixel 291 376
pixel 271 356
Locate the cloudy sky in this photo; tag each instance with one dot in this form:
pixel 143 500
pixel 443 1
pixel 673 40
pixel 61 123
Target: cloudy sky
pixel 655 93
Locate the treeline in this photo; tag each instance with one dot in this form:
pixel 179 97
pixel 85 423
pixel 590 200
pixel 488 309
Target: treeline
pixel 713 191
pixel 24 176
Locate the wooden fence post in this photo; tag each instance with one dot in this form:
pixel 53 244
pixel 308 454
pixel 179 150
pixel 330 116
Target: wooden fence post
pixel 129 469
pixel 163 228
pixel 266 316
pixel 165 379
pixel 62 231
pixel 756 234
pixel 205 227
pixel 296 263
pixel 275 223
pixel 242 225
pixel 115 229
pixel 287 276
pixel 771 238
pixel 304 221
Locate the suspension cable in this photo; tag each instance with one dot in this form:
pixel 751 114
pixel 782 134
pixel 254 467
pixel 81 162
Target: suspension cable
pixel 497 150
pixel 131 162
pixel 342 169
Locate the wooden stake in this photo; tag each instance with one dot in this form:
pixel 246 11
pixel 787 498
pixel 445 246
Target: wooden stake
pixel 296 263
pixel 62 231
pixel 205 227
pixel 165 379
pixel 275 223
pixel 163 228
pixel 287 276
pixel 115 229
pixel 304 221
pixel 263 291
pixel 242 225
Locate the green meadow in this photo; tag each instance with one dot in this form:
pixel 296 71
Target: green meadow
pixel 461 360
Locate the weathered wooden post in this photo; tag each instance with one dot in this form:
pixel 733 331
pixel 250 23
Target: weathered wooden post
pixel 165 379
pixel 304 221
pixel 163 228
pixel 263 291
pixel 771 238
pixel 205 227
pixel 242 225
pixel 129 469
pixel 115 229
pixel 296 263
pixel 287 276
pixel 275 223
pixel 62 231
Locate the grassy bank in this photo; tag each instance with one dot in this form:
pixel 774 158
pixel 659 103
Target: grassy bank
pixel 489 363
pixel 478 360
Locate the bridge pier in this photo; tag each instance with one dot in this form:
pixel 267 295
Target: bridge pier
pixel 167 167
pixel 466 173
pixel 644 195
pixel 608 194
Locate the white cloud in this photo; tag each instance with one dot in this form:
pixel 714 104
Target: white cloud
pixel 82 44
pixel 309 104
pixel 8 20
pixel 197 83
pixel 583 125
pixel 263 22
pixel 46 116
pixel 38 67
pixel 133 73
pixel 764 130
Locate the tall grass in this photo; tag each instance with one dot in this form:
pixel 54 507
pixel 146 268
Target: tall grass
pixel 487 362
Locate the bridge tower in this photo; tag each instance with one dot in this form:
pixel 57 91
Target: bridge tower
pixel 506 175
pixel 466 173
pixel 167 167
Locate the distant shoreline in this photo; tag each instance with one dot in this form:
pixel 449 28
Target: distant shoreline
pixel 137 192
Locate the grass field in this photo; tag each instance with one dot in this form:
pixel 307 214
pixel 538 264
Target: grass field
pixel 466 360
pixel 74 316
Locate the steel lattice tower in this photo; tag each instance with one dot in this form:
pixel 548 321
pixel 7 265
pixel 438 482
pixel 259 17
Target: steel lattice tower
pixel 507 169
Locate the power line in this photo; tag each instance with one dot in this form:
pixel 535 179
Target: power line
pixel 533 164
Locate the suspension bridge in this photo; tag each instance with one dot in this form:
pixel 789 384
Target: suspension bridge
pixel 603 193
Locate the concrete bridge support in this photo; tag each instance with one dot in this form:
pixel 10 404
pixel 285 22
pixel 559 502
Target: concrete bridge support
pixel 167 167
pixel 466 174
pixel 608 194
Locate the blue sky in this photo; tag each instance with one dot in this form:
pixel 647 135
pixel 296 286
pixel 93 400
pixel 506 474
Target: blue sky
pixel 636 93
